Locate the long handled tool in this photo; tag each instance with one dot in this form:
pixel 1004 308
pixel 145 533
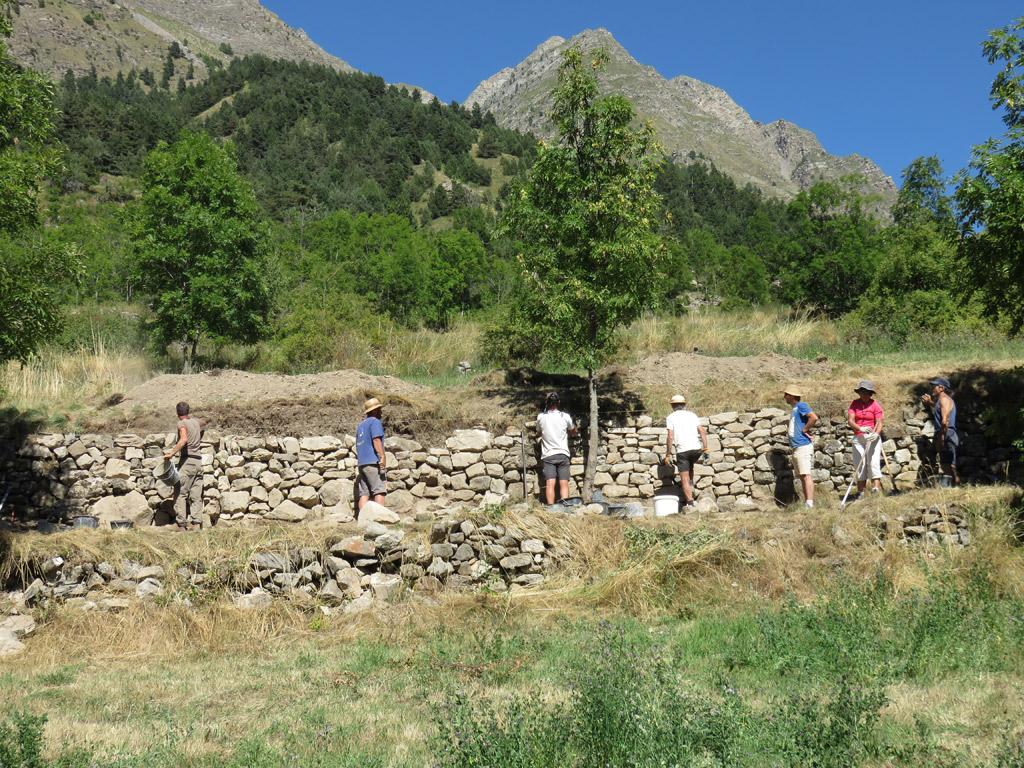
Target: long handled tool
pixel 860 468
pixel 888 469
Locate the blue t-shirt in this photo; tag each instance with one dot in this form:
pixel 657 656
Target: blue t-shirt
pixel 368 429
pixel 797 422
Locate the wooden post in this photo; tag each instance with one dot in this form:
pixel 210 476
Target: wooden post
pixel 522 457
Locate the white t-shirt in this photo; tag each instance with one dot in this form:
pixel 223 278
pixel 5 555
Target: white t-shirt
pixel 554 429
pixel 685 436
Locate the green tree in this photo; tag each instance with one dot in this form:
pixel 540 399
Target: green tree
pixel 31 274
pixel 200 246
pixel 28 150
pixel 914 289
pixel 585 222
pixel 990 193
pixel 831 257
pixel 922 195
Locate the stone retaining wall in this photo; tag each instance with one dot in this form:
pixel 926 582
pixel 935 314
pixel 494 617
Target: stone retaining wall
pixel 295 479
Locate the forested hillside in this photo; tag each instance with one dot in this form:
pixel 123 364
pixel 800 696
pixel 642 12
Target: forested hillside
pixel 381 214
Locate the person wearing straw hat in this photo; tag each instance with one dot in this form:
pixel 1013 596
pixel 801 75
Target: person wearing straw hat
pixel 686 441
pixel 188 496
pixel 947 440
pixel 801 421
pixel 866 418
pixel 370 455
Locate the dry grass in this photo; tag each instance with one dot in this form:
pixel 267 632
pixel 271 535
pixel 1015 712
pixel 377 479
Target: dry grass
pixel 199 677
pixel 61 382
pixel 713 332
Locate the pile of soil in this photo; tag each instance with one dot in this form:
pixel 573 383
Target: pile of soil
pixel 259 403
pixel 685 370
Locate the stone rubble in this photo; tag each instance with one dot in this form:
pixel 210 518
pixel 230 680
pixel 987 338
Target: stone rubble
pixel 927 525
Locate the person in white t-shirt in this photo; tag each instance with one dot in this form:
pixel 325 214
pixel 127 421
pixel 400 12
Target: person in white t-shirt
pixel 554 427
pixel 686 441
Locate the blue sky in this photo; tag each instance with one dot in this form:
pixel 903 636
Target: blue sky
pixel 890 80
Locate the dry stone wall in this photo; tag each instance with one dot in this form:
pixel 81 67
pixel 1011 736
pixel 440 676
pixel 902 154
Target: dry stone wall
pixel 289 479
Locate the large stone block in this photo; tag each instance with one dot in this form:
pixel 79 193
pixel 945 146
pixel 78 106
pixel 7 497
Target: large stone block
pixel 132 506
pixel 476 440
pixel 400 501
pixel 324 444
pixel 288 511
pixel 335 492
pixel 372 512
pixel 304 496
pixel 117 469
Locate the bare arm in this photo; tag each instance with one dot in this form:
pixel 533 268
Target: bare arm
pixel 668 446
pixel 946 408
pixel 182 440
pixel 852 424
pixel 812 419
pixel 703 437
pixel 378 447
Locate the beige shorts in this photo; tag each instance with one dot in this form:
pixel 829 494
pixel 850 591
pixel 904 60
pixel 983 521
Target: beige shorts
pixel 803 459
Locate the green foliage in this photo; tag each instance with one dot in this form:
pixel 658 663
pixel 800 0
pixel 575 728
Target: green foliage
pixel 200 245
pixel 31 273
pixel 922 196
pixel 22 745
pixel 833 254
pixel 990 193
pixel 226 49
pixel 584 221
pixel 307 137
pixel 401 273
pixel 628 707
pixel 868 633
pixel 27 145
pixel 915 288
pixel 33 276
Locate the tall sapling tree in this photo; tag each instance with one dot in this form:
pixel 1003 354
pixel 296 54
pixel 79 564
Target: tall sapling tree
pixel 584 222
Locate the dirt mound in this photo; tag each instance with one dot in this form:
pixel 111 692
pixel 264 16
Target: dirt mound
pixel 206 389
pixel 261 403
pixel 684 370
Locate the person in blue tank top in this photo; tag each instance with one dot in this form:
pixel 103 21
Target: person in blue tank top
pixel 947 440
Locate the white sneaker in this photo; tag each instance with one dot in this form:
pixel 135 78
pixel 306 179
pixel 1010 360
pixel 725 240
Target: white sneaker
pixel 809 504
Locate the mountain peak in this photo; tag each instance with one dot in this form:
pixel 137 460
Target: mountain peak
pixel 692 119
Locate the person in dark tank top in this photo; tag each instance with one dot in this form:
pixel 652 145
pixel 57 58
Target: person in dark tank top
pixel 188 496
pixel 947 439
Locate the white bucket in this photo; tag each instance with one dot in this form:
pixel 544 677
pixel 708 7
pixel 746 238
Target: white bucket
pixel 666 505
pixel 166 472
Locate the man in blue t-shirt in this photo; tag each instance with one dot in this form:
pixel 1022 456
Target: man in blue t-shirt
pixel 370 455
pixel 801 420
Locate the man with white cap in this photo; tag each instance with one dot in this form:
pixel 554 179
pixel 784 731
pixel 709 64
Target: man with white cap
pixel 866 417
pixel 686 440
pixel 801 420
pixel 370 454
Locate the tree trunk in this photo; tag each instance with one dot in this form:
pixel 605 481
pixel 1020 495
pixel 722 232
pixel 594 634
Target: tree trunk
pixel 593 439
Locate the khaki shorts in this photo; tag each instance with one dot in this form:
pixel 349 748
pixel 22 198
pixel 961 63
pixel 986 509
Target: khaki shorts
pixel 803 459
pixel 370 482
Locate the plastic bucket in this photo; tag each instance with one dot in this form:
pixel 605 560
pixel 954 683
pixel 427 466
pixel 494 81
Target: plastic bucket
pixel 666 505
pixel 166 472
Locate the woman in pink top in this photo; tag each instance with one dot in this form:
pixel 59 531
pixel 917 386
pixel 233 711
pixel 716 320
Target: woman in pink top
pixel 865 417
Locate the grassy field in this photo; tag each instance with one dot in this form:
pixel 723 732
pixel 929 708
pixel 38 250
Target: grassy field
pixel 697 642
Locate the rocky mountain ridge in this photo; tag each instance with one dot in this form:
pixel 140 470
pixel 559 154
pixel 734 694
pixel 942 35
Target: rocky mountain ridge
pixel 692 118
pixel 54 36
